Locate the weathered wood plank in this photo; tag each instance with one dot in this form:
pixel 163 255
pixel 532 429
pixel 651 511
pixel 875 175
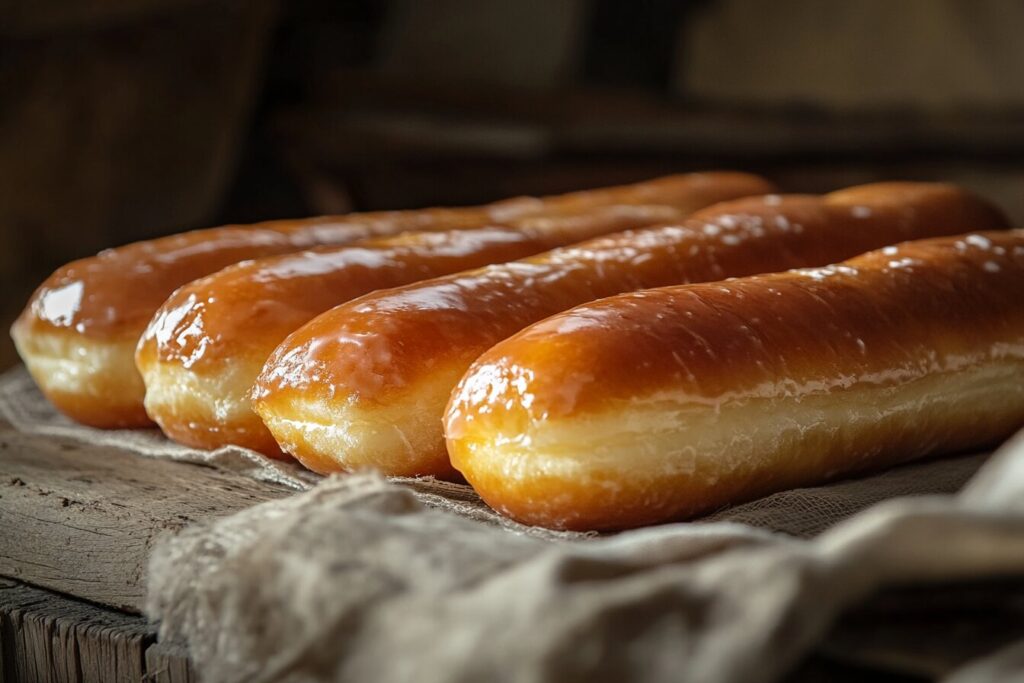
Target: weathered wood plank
pixel 52 639
pixel 168 664
pixel 8 670
pixel 82 519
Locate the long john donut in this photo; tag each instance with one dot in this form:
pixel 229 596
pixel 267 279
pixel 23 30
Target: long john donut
pixel 365 384
pixel 204 348
pixel 78 333
pixel 671 402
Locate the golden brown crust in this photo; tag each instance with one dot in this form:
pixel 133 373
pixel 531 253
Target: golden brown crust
pixel 110 297
pixel 699 396
pixel 394 347
pixel 202 351
pixel 117 290
pixel 105 301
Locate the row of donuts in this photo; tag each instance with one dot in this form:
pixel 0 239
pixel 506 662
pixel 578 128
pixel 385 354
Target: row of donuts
pixel 586 362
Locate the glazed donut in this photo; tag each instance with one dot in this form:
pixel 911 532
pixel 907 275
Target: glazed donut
pixel 204 348
pixel 668 403
pixel 78 333
pixel 365 384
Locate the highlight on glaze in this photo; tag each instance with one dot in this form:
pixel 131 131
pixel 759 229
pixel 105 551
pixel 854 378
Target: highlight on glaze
pixel 204 348
pixel 365 384
pixel 672 402
pixel 78 332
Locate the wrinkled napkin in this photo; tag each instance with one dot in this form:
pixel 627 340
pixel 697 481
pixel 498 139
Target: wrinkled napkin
pixel 358 579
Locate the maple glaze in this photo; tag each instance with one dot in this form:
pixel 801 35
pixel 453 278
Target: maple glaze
pixel 387 346
pixel 704 395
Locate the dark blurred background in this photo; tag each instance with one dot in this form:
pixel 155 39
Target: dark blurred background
pixel 126 119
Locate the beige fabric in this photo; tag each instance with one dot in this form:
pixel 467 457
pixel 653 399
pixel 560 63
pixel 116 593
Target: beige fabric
pixel 357 578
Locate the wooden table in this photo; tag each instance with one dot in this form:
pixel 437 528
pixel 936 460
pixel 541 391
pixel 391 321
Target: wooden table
pixel 47 637
pixel 77 522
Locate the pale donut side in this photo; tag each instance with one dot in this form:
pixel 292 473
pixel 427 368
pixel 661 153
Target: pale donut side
pixel 668 403
pixel 365 384
pixel 78 333
pixel 204 348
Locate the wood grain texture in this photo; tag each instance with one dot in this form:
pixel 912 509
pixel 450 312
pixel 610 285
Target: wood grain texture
pixel 82 519
pixel 168 664
pixel 49 638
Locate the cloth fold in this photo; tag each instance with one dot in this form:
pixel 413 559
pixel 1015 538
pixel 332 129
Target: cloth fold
pixel 358 580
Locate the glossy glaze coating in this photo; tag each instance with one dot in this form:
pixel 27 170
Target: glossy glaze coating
pixel 226 325
pixel 117 291
pixel 113 294
pixel 394 345
pixel 686 192
pixel 260 301
pixel 93 306
pixel 656 375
